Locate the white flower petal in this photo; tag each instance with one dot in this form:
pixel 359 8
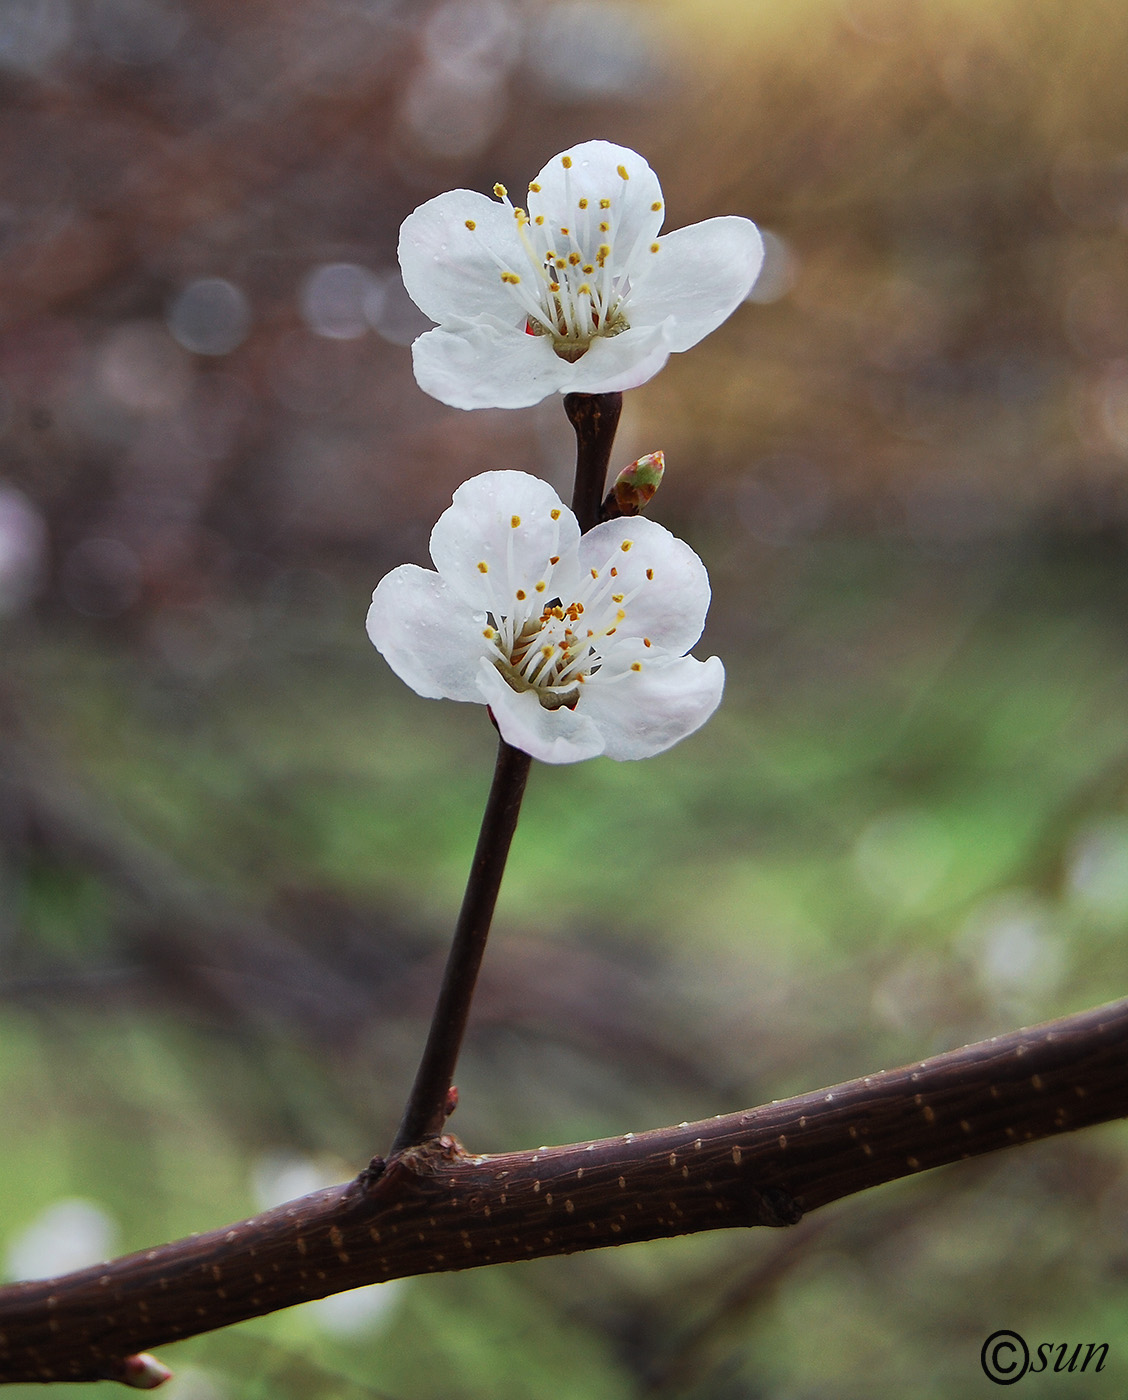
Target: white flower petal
pixel 648 711
pixel 618 362
pixel 670 607
pixel 428 635
pixel 699 276
pixel 553 736
pixel 594 175
pixel 447 268
pixel 486 366
pixel 477 528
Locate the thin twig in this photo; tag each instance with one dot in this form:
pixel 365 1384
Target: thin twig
pixel 427 1106
pixel 595 417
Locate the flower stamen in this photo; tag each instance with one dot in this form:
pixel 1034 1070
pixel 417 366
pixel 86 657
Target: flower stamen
pixel 536 646
pixel 560 302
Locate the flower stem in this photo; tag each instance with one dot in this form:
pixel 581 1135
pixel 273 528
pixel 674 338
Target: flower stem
pixel 427 1107
pixel 595 418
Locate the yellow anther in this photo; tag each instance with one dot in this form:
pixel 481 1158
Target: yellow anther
pixel 635 666
pixel 619 615
pixel 560 263
pixel 574 259
pixel 555 514
pixel 500 191
pixel 521 595
pixel 654 247
pixel 540 587
pixel 583 290
pixel 483 567
pixel 622 169
pixel 511 278
pixel 595 573
pixel 589 268
pixel 566 162
pixel 614 573
pixel 625 546
pixel 554 287
pixel 471 225
pixel 616 597
pixel 605 204
pixel 646 641
pixel 603 251
pixel 565 231
pixel 539 219
pixel 656 206
pixel 515 520
pixel 534 188
pixel 650 573
pixel 555 559
pixel 583 204
pixel 489 634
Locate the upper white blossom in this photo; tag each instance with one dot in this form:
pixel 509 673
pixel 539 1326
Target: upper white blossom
pixel 577 293
pixel 576 642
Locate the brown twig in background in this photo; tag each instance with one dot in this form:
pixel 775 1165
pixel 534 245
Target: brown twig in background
pixel 437 1208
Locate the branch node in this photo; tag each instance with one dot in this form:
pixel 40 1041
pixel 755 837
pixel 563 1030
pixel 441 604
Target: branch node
pixel 778 1209
pixel 142 1372
pixel 431 1156
pixel 372 1173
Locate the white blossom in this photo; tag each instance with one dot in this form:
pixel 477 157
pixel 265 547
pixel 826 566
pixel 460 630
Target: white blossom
pixel 575 293
pixel 576 642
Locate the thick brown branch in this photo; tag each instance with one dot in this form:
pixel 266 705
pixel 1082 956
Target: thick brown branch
pixel 437 1208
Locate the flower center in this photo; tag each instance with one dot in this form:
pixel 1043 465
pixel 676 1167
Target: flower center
pixel 573 282
pixel 551 654
pixel 554 647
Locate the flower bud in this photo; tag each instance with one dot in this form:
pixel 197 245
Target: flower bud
pixel 634 486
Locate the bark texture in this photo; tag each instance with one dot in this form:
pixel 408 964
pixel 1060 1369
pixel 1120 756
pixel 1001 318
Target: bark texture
pixel 438 1207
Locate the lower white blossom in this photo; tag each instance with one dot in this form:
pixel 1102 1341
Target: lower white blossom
pixel 577 293
pixel 576 642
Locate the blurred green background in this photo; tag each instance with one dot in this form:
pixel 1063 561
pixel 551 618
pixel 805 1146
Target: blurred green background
pixel 232 845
